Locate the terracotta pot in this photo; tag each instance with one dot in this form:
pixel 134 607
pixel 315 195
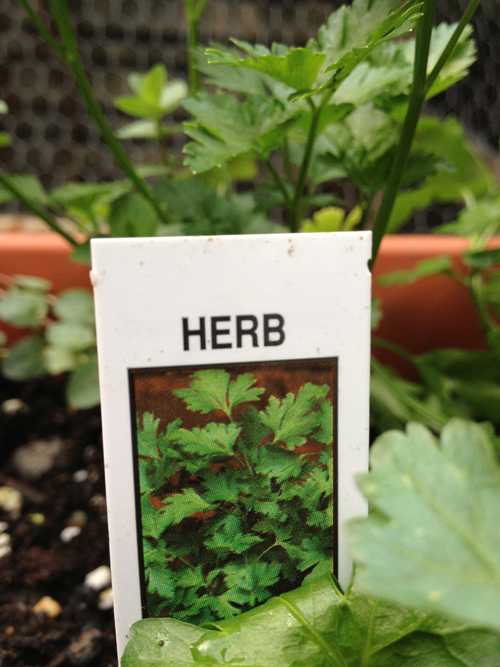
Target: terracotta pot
pixel 45 255
pixel 433 312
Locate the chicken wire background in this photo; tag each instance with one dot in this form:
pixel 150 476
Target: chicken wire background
pixel 53 137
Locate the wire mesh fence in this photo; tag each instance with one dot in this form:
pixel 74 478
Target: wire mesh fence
pixel 54 138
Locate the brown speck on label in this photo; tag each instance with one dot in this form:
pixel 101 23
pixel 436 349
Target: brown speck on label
pixel 291 250
pixel 141 263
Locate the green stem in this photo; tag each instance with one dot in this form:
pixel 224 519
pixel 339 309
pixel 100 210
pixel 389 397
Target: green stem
pixel 278 182
pixel 161 143
pixel 41 28
pixel 475 286
pixel 453 41
pixel 276 544
pixel 73 60
pixel 366 207
pixel 422 412
pixel 35 208
pixel 287 165
pixel 416 102
pixel 369 634
pixel 336 660
pixel 193 15
pixel 295 207
pixel 393 347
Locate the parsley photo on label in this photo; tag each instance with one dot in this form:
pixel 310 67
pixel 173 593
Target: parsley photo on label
pixel 236 494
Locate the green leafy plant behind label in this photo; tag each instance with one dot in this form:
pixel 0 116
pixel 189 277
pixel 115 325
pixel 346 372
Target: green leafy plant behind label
pixel 235 510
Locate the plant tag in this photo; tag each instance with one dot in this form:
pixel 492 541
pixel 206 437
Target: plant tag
pixel 234 377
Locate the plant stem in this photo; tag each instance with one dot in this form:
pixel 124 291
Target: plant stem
pixel 278 181
pixel 72 58
pixel 41 28
pixel 422 411
pixel 287 165
pixel 453 41
pixel 366 207
pixel 161 143
pixel 35 208
pixel 393 347
pixel 416 102
pixel 475 286
pixel 295 207
pixel 193 15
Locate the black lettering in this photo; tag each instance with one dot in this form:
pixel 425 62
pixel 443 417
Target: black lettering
pixel 186 332
pixel 252 331
pixel 219 332
pixel 268 329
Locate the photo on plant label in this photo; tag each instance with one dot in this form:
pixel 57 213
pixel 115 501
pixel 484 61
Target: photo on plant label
pixel 235 477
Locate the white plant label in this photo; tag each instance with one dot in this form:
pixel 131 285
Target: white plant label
pixel 234 377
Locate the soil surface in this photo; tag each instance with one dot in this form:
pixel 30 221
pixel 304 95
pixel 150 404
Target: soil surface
pixel 55 526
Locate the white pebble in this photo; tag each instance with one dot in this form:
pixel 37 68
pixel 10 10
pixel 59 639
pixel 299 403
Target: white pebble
pixel 36 458
pixel 3 526
pixel 99 578
pixel 4 539
pixel 80 476
pixel 105 600
pixel 5 550
pixel 11 500
pixel 69 533
pixel 12 405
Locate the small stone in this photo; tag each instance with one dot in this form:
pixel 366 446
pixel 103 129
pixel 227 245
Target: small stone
pixel 69 533
pixel 4 539
pixel 84 649
pixel 80 476
pixel 11 500
pixel 5 550
pixel 36 458
pixel 3 526
pixel 10 630
pixel 105 600
pixel 99 578
pixel 78 518
pixel 48 606
pixel 13 405
pixel 37 518
pixel 94 476
pixel 98 501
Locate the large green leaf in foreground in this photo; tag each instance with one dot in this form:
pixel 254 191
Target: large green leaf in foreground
pixel 436 543
pixel 315 626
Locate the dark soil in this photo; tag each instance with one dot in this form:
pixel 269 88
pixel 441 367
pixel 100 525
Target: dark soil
pixel 41 564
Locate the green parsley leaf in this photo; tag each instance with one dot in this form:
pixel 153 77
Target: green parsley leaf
pixel 298 69
pixel 436 544
pixel 226 128
pixel 177 507
pixel 230 538
pixel 214 439
pixel 293 418
pixel 160 581
pixel 211 390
